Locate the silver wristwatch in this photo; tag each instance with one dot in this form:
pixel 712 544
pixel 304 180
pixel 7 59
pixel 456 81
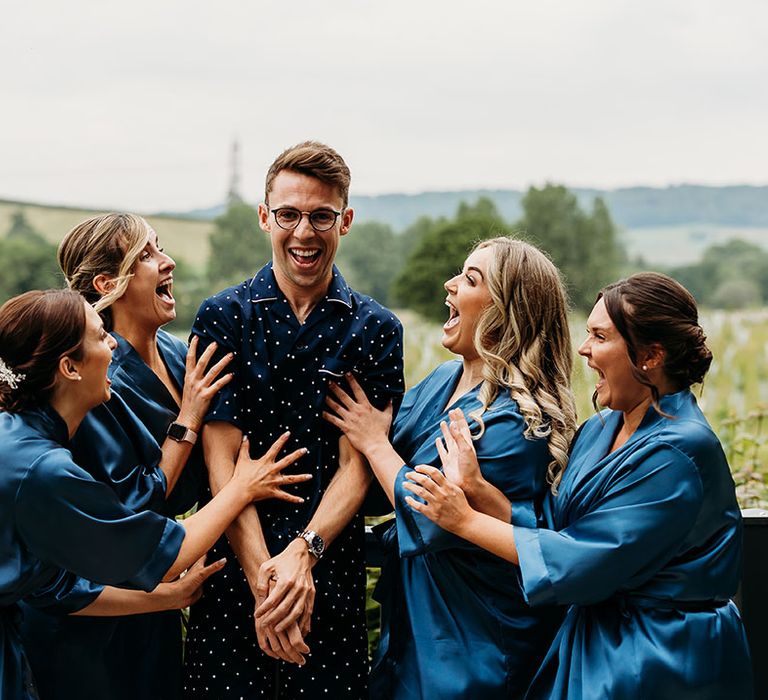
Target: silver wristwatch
pixel 315 543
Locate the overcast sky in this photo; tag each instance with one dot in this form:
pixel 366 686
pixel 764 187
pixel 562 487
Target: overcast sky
pixel 134 105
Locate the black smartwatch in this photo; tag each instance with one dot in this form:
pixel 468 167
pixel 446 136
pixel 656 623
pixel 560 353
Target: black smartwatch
pixel 315 543
pixel 181 433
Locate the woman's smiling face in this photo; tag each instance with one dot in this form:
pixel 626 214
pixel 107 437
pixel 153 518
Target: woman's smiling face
pixel 149 295
pixel 468 296
pixel 606 353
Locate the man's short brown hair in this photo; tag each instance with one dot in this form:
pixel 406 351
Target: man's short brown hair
pixel 313 159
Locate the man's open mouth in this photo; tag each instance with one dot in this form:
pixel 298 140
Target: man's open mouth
pixel 304 256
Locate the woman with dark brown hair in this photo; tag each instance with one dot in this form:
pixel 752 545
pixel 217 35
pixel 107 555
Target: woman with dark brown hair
pixel 55 517
pixel 643 539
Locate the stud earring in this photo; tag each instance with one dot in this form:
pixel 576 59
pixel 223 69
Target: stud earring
pixel 79 378
pixel 645 368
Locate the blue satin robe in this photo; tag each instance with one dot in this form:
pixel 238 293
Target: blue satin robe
pixel 644 544
pixel 454 621
pixel 118 443
pixel 54 516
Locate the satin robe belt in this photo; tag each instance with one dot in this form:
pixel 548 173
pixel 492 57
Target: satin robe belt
pixel 626 601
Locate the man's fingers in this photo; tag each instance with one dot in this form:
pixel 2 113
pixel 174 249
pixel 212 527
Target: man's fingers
pixel 296 639
pixel 289 653
pixel 276 595
pixel 288 609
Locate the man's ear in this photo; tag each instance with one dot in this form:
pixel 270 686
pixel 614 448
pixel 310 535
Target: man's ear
pixel 264 218
pixel 103 284
pixel 346 221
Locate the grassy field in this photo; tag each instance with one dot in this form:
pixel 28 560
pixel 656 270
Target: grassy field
pixel 684 244
pixel 734 396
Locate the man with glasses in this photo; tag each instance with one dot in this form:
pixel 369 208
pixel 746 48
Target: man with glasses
pixel 292 328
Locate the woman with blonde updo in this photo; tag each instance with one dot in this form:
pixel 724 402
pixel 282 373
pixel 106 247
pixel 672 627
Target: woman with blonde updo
pixel 455 624
pixel 142 443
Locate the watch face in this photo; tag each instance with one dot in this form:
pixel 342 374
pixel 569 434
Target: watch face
pixel 176 431
pixel 317 544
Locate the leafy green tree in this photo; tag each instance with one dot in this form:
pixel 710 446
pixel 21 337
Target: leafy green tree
pixel 369 258
pixel 729 275
pixel 238 247
pixel 439 255
pixel 21 228
pixel 584 246
pixel 27 264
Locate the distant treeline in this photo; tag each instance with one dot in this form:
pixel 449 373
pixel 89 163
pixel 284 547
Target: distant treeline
pixel 407 269
pixel 631 207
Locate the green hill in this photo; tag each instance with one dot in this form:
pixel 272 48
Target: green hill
pixel 186 239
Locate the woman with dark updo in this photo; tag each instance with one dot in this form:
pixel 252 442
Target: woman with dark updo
pixel 55 517
pixel 643 538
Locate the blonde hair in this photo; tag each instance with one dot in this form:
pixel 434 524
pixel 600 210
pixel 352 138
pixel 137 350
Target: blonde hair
pixel 524 341
pixel 109 245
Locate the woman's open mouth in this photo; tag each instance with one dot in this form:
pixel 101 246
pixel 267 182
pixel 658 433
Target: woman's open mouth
pixel 453 316
pixel 165 292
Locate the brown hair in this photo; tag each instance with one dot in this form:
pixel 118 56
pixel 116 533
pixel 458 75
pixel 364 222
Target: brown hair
pixel 109 245
pixel 313 159
pixel 651 308
pixel 37 329
pixel 525 344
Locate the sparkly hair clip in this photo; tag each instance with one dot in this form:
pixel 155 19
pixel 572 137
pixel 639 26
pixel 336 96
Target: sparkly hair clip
pixel 9 377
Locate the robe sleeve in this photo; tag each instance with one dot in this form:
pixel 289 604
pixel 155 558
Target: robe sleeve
pixel 513 464
pixel 631 531
pixel 67 518
pixel 65 593
pixel 116 448
pixel 216 321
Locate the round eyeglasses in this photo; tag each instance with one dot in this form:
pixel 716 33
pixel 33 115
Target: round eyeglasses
pixel 321 220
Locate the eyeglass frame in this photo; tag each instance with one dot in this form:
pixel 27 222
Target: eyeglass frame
pixel 336 215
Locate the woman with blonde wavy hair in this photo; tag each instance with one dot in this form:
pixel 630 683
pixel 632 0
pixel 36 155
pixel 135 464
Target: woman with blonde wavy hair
pixel 454 620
